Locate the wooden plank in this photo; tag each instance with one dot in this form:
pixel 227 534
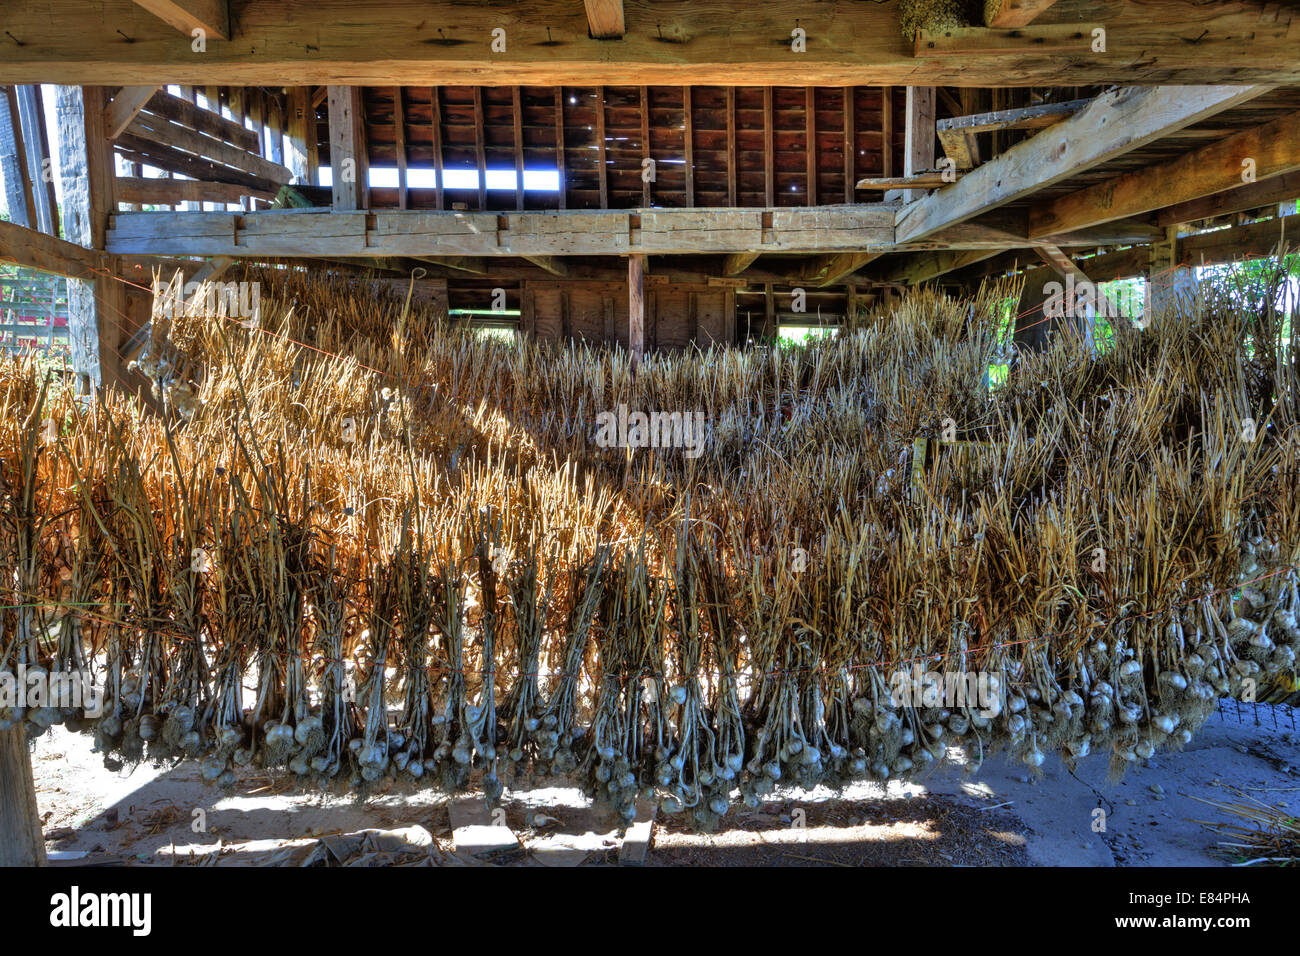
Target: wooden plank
pixel 194 117
pixel 436 124
pixel 480 156
pixel 399 146
pixel 1115 123
pixel 301 123
pixel 887 132
pixel 123 107
pixel 961 147
pixel 552 264
pixel 850 144
pixel 925 179
pixel 636 309
pixel 519 148
pixel 600 147
pixel 350 180
pixel 811 152
pixel 173 160
pixel 730 94
pixel 210 16
pixel 647 185
pixel 1272 150
pixel 922 268
pixel 769 150
pixel 1014 13
pixel 605 19
pixel 689 132
pixel 918 136
pixel 1024 117
pixel 1265 192
pixel 166 192
pixel 146 126
pixel 559 147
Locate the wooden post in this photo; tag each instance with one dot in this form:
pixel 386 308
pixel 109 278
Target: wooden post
pixel 918 139
pixel 96 303
pixel 349 162
pixel 302 136
pixel 13 160
pixel 636 308
pixel 21 841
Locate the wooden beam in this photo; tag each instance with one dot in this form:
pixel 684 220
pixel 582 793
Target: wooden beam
pixel 480 153
pixel 349 163
pixel 1024 117
pixel 918 140
pixel 210 16
pixel 922 268
pixel 605 19
pixel 436 124
pixel 519 147
pixel 886 131
pixel 1115 123
pixel 13 158
pixel 392 42
pixel 35 250
pixel 22 842
pixel 320 232
pixel 301 122
pixel 187 114
pixel 647 186
pixel 96 304
pixel 830 270
pixel 811 152
pixel 688 124
pixel 1265 151
pixel 31 101
pixel 1257 195
pixel 636 308
pixel 601 160
pixel 121 111
pixel 738 262
pixel 141 150
pixel 850 143
pixel 730 95
pixel 559 147
pixel 399 146
pixel 924 179
pixel 1014 13
pixel 769 149
pixel 977 43
pixel 552 264
pixel 169 192
pixel 154 129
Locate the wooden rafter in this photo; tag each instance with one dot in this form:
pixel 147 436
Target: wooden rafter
pixel 605 19
pixel 210 16
pixel 1016 13
pixel 1115 123
pixel 1264 151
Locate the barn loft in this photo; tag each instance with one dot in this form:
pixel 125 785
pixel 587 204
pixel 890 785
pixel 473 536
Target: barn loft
pixel 479 228
pixel 1093 138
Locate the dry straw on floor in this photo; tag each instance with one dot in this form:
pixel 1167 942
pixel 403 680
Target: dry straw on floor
pixel 359 542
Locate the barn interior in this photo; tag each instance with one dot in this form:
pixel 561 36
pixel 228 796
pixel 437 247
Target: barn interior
pixel 668 189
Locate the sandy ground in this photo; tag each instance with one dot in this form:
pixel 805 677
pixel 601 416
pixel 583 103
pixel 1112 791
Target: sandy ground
pixel 1002 815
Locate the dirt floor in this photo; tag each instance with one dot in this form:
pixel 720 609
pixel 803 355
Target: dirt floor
pixel 1003 815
